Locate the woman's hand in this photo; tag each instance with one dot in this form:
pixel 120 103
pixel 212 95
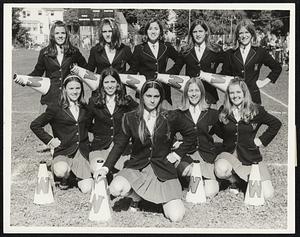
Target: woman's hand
pixel 173 157
pixel 188 170
pixel 176 145
pixel 20 80
pixel 257 142
pixel 55 142
pixel 100 173
pixel 262 83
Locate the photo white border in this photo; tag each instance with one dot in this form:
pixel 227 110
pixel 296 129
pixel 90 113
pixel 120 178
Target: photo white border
pixel 7 93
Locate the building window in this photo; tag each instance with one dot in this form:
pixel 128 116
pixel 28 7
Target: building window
pixel 28 13
pixel 40 13
pixel 41 29
pixel 52 13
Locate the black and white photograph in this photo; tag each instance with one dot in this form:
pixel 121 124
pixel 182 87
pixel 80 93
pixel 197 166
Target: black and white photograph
pixel 149 118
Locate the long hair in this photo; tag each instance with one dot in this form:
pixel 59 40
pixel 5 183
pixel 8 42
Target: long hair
pixel 116 35
pixel 68 48
pixel 191 40
pixel 249 26
pixel 145 87
pixel 99 98
pixel 64 101
pixel 185 99
pixel 161 33
pixel 248 108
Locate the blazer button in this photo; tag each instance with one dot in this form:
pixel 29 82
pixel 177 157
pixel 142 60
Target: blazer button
pixel 236 124
pixel 197 147
pixel 76 124
pixel 149 158
pixel 195 127
pixel 77 133
pixel 60 87
pixel 111 128
pixel 111 136
pixel 111 118
pixel 77 142
pixel 150 148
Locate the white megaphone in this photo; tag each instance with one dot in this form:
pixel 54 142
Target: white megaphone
pixel 219 81
pixel 134 82
pixel 254 193
pixel 196 192
pixel 176 81
pixel 89 78
pixel 39 84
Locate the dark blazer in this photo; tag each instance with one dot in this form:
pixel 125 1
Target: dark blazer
pixel 106 126
pixel 72 134
pixel 257 56
pixel 208 63
pixel 195 137
pixel 145 63
pixel 98 59
pixel 153 152
pixel 240 136
pixel 50 66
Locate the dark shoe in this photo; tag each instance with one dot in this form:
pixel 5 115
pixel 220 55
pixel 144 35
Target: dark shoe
pixel 233 188
pixel 64 184
pixel 134 206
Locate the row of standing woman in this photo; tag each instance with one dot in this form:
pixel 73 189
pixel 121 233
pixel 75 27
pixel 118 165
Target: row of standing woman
pixel 150 172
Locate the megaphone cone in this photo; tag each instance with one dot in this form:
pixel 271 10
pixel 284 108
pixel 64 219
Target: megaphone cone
pixel 196 192
pixel 39 84
pixel 43 191
pixel 219 81
pixel 91 79
pixel 176 81
pixel 101 210
pixel 254 194
pixel 135 82
pixel 97 166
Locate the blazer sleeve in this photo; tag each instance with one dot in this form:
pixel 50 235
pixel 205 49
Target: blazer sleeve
pixel 135 61
pixel 274 65
pixel 91 65
pixel 173 54
pixel 37 125
pixel 40 67
pixel 128 57
pixel 122 140
pixel 226 67
pixel 273 124
pixel 80 60
pixel 176 68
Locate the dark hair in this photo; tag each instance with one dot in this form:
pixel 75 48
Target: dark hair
pixel 63 101
pixel 147 85
pixel 191 40
pixel 249 26
pixel 99 98
pixel 115 38
pixel 161 33
pixel 68 48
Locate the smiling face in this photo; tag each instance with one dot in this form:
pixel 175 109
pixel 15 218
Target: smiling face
pixel 60 35
pixel 73 90
pixel 151 99
pixel 245 36
pixel 236 95
pixel 194 94
pixel 153 32
pixel 110 85
pixel 107 33
pixel 199 34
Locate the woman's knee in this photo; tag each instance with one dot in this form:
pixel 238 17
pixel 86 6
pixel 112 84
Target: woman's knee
pixel 61 169
pixel 174 210
pixel 211 187
pixel 268 189
pixel 223 169
pixel 119 186
pixel 85 185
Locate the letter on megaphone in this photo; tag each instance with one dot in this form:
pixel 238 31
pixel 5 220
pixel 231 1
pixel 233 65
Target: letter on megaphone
pixel 39 84
pixel 196 192
pixel 135 82
pixel 101 210
pixel 89 78
pixel 219 81
pixel 176 81
pixel 43 191
pixel 254 194
pixel 98 165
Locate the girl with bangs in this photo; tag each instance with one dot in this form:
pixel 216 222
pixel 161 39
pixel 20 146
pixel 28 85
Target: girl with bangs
pixel 246 60
pixel 110 51
pixel 198 55
pixel 68 120
pixel 147 174
pixel 55 61
pixel 151 56
pixel 194 121
pixel 239 122
pixel 107 108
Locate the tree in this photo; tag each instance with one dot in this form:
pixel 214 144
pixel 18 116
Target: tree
pixel 20 34
pixel 182 23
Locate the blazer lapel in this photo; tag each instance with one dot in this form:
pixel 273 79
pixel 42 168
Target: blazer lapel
pixel 238 56
pixel 68 112
pixel 202 114
pixel 118 53
pixel 193 54
pixel 188 115
pixel 250 55
pixel 147 51
pixel 205 53
pixel 103 55
pixel 162 48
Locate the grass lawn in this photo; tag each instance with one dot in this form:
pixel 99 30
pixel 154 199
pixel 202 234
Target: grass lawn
pixel 71 207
